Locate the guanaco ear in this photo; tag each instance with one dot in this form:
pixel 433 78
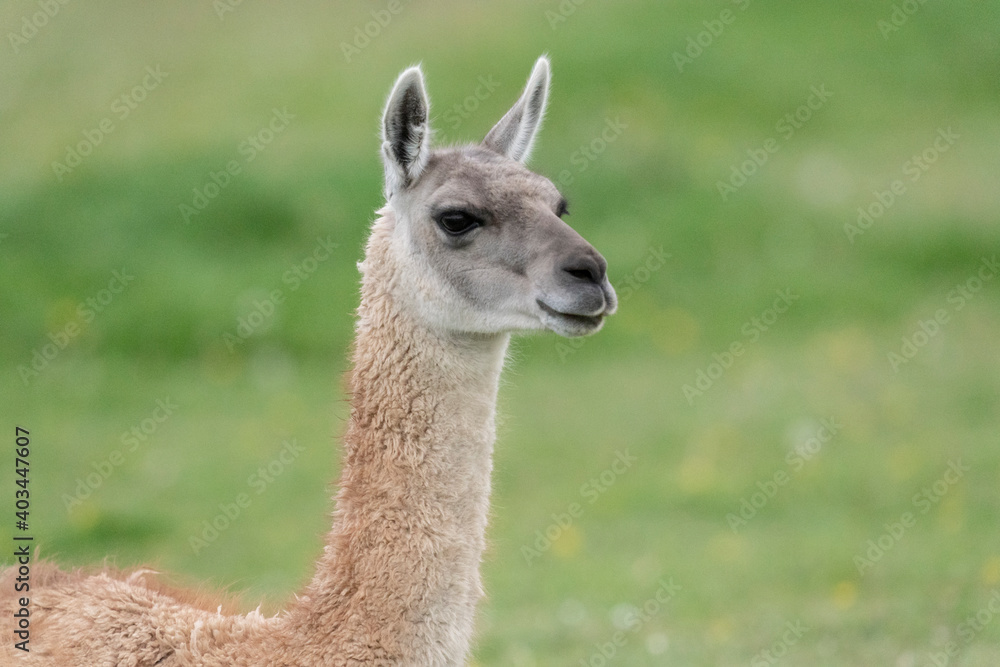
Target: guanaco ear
pixel 514 135
pixel 405 131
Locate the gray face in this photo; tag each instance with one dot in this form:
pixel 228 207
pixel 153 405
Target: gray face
pixel 479 236
pixel 491 232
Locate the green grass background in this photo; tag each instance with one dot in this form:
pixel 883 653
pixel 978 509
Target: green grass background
pixel 566 411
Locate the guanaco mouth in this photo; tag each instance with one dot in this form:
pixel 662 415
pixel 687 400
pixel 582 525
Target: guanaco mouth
pixel 586 320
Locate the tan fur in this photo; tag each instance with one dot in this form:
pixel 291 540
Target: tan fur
pixel 398 581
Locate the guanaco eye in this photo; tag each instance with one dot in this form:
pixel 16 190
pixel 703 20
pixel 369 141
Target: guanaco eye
pixel 457 223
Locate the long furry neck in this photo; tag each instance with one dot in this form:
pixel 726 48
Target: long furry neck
pixel 400 570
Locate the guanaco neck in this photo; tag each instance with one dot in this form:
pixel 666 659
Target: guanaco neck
pixel 400 569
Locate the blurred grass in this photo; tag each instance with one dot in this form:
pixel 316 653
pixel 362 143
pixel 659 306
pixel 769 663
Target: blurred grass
pixel 566 411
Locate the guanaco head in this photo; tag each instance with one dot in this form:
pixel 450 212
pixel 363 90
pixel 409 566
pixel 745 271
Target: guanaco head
pixel 479 237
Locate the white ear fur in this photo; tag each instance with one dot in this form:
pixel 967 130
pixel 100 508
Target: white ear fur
pixel 515 134
pixel 405 131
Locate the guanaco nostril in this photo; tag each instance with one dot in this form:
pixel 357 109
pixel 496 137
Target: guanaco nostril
pixel 586 268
